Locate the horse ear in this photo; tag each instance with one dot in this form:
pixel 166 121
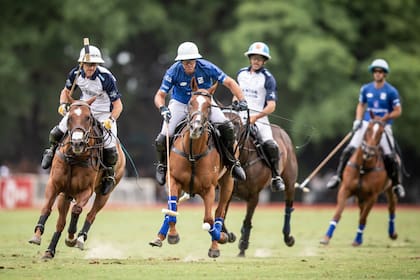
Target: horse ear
pixel 194 85
pixel 90 101
pixel 213 88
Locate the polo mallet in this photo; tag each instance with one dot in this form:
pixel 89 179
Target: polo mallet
pixel 87 58
pixel 327 158
pixel 168 182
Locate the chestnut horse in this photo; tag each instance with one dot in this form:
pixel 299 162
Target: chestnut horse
pixel 365 177
pixel 258 176
pixel 75 175
pixel 195 167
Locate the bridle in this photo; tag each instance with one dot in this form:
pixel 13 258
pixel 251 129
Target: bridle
pixel 197 120
pixel 369 150
pixel 80 135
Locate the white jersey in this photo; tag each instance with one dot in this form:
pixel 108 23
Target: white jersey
pixel 258 88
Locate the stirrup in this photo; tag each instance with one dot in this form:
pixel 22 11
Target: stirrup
pixel 47 158
pixel 277 184
pixel 161 174
pixel 399 190
pixel 334 182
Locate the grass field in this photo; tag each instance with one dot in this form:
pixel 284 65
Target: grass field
pixel 117 247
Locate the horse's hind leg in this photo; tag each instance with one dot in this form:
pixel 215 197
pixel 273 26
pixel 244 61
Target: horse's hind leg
pixel 75 214
pixel 247 225
pixel 62 206
pixel 288 209
pixel 392 202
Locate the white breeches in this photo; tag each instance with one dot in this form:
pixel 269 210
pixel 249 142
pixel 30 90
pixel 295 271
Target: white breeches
pixel 263 125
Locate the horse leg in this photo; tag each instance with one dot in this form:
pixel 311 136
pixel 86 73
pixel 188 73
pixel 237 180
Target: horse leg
pixel 392 202
pixel 342 196
pixel 169 220
pixel 74 218
pixel 247 225
pixel 50 196
pixel 62 207
pixel 216 225
pixel 225 195
pixel 365 207
pixel 98 204
pixel 288 209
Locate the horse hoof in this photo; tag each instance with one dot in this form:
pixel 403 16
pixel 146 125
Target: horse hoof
pixel 173 239
pixel 214 253
pixel 35 240
pixel 290 241
pixel 70 242
pixel 80 243
pixel 393 236
pixel 48 255
pixel 324 241
pixel 241 254
pixel 356 244
pixel 231 237
pixel 156 243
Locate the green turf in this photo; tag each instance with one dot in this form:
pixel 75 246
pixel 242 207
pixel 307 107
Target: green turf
pixel 118 248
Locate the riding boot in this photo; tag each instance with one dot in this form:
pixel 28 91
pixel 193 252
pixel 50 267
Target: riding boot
pixel 161 167
pixel 55 137
pixel 271 151
pixel 227 135
pixel 335 180
pixel 108 176
pixel 393 170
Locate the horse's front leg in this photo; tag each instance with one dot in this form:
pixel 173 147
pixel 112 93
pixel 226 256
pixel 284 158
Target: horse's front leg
pixel 392 203
pixel 365 207
pixel 63 205
pixel 50 196
pixel 342 196
pixel 288 209
pixel 169 220
pixel 213 226
pixel 81 201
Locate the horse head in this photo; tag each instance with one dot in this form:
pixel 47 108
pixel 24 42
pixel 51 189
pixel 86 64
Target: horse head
pixel 372 137
pixel 79 122
pixel 199 108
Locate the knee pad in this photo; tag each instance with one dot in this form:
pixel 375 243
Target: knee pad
pixel 160 143
pixel 110 156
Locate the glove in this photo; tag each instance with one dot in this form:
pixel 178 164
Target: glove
pixel 241 105
pixel 108 123
pixel 165 113
pixel 63 108
pixel 357 124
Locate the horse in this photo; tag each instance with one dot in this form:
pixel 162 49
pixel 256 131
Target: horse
pixel 196 167
pixel 75 175
pixel 365 178
pixel 258 176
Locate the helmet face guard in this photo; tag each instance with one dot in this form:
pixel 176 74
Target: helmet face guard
pixel 260 49
pixel 94 56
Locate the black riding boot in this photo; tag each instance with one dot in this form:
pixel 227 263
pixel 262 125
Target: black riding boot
pixel 55 137
pixel 393 170
pixel 335 180
pixel 271 151
pixel 108 176
pixel 227 135
pixel 160 144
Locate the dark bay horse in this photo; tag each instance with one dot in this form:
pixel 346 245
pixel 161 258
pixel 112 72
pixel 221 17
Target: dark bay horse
pixel 258 176
pixel 365 178
pixel 75 175
pixel 195 167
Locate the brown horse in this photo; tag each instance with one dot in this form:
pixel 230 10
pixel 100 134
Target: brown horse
pixel 75 175
pixel 258 176
pixel 365 177
pixel 195 167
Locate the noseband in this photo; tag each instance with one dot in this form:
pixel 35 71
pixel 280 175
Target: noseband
pixel 370 151
pixel 193 115
pixel 80 135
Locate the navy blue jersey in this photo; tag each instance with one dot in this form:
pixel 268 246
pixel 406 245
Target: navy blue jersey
pixel 175 79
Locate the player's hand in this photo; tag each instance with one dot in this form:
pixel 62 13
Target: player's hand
pixel 108 123
pixel 165 113
pixel 357 124
pixel 63 108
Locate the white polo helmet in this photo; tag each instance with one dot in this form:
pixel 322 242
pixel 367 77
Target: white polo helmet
pixel 186 51
pixel 258 48
pixel 93 57
pixel 379 63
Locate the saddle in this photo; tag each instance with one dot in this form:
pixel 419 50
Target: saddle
pixel 258 143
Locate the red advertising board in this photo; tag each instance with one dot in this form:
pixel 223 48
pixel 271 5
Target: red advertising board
pixel 16 192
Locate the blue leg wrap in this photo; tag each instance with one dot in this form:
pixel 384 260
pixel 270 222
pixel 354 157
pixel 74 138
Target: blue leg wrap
pixel 216 229
pixel 171 206
pixel 359 234
pixel 287 215
pixel 331 228
pixel 391 224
